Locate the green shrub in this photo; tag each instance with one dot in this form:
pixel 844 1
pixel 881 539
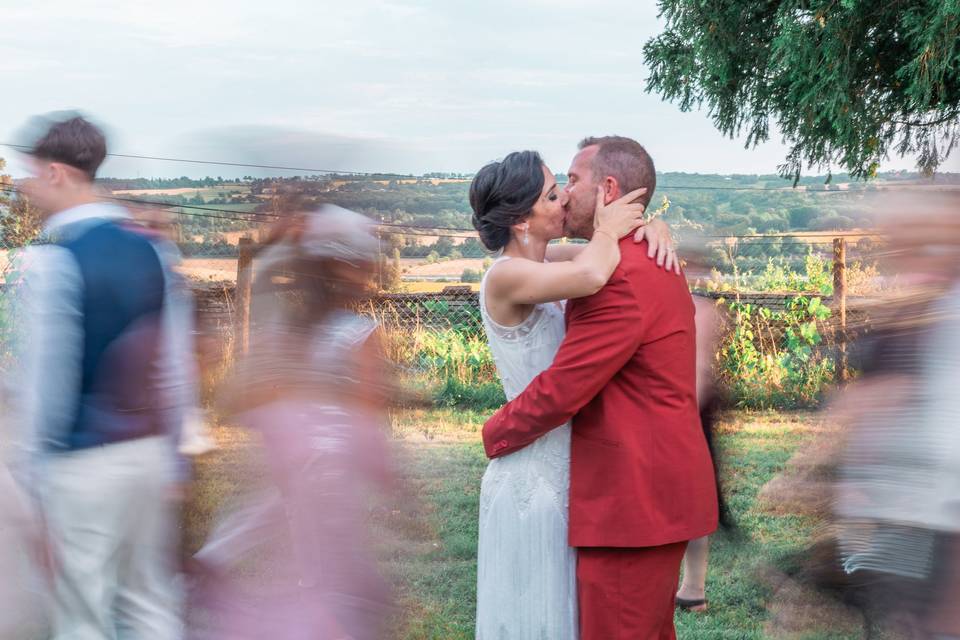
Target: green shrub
pixel 454 355
pixel 481 396
pixel 454 365
pixel 770 359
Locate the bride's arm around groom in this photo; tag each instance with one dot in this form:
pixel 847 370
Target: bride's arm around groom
pixel 603 332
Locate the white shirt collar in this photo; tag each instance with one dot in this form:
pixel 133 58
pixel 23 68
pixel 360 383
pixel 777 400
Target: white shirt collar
pixel 88 211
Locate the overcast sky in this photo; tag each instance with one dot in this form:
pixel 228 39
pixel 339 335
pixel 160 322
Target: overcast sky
pixel 399 86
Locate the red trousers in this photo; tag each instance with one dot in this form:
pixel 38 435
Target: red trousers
pixel 628 594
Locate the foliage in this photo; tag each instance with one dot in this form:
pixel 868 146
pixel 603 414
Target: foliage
pixel 777 275
pixel 470 276
pixel 388 272
pixel 119 184
pixel 463 319
pixel 770 358
pixel 458 366
pixel 19 222
pixel 817 277
pixel 846 81
pixel 7 330
pixel 711 203
pixel 483 396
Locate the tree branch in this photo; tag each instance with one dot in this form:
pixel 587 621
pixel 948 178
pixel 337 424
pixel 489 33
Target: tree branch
pixel 933 123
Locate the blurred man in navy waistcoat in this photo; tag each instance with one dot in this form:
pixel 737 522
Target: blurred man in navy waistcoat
pixel 102 394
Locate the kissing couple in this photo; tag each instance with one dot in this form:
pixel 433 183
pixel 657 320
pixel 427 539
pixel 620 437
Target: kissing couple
pixel 600 470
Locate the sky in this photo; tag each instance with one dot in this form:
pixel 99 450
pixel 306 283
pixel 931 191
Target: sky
pixel 405 86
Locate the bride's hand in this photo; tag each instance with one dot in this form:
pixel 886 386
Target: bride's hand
pixel 621 216
pixel 659 244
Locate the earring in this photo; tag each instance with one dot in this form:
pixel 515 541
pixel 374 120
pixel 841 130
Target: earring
pixel 526 236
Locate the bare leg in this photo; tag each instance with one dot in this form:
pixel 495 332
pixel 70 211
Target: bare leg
pixel 695 569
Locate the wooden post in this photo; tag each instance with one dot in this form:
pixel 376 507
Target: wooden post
pixel 242 297
pixel 840 300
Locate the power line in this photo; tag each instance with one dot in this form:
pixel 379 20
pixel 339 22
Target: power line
pixel 402 175
pixel 235 164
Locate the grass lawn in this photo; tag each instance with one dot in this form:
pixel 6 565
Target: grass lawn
pixel 427 539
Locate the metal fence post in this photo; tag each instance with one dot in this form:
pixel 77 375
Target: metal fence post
pixel 840 300
pixel 242 298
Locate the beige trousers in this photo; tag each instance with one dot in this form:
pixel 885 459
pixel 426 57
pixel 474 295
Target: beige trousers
pixel 111 521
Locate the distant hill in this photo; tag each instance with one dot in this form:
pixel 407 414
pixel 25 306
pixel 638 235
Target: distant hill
pixel 722 204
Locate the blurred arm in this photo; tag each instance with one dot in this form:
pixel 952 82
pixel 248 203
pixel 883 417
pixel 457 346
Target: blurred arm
pixel 50 352
pixel 177 378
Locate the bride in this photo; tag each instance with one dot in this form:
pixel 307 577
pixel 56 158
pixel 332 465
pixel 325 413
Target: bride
pixel 526 571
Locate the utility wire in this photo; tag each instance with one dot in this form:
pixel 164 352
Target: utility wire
pixel 235 164
pixel 401 175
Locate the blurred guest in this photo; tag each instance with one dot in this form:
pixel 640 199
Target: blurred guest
pixel 314 388
pixel 899 478
pixel 892 548
pixel 101 394
pixel 691 595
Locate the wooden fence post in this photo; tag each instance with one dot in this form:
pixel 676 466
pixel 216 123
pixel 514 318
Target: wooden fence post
pixel 840 300
pixel 242 297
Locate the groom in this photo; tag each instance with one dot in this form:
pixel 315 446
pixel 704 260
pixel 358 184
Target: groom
pixel 641 478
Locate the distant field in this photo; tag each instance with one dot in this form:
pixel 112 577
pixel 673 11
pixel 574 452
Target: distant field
pixel 444 268
pixel 203 268
pixel 205 192
pixel 210 268
pixel 207 269
pixel 242 206
pixel 435 287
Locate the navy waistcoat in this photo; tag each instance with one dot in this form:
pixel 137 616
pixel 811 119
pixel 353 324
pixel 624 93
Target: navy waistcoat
pixel 121 305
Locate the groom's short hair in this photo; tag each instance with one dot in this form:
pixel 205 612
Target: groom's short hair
pixel 626 160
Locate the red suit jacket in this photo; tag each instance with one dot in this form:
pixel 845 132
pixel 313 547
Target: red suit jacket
pixel 640 471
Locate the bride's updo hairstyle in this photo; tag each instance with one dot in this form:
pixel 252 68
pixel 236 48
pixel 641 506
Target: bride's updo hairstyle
pixel 503 193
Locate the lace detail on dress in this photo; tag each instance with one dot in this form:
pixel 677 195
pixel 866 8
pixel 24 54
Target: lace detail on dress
pixel 503 332
pixel 526 571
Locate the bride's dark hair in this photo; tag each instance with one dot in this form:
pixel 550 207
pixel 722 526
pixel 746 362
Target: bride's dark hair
pixel 503 193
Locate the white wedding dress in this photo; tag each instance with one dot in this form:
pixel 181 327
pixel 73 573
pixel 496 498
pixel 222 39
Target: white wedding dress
pixel 526 571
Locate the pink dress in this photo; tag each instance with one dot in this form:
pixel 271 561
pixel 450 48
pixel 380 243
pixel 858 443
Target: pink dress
pixel 323 457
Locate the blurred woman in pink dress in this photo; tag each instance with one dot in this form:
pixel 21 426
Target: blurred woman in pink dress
pixel 314 388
